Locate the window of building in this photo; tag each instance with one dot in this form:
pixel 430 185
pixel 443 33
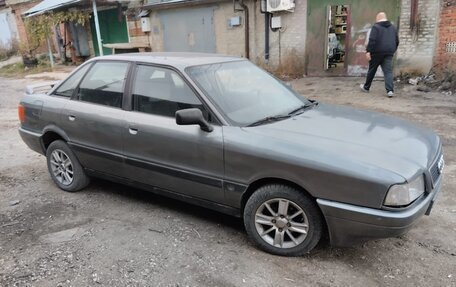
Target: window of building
pixel 104 84
pixel 162 92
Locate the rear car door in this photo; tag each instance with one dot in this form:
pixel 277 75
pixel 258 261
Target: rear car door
pixel 159 152
pixel 93 120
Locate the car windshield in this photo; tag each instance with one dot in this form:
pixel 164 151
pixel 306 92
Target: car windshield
pixel 245 93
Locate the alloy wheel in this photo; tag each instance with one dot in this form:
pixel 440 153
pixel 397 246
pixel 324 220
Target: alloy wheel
pixel 281 223
pixel 62 167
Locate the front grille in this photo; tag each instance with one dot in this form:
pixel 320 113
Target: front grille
pixel 434 170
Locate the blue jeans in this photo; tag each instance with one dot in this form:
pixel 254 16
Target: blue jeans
pixel 386 61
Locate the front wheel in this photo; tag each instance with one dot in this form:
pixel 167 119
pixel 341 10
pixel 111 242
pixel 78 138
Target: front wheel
pixel 64 168
pixel 282 220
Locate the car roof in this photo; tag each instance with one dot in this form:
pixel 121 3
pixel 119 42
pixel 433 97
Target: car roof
pixel 177 59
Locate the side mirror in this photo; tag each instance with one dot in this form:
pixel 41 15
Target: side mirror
pixel 193 117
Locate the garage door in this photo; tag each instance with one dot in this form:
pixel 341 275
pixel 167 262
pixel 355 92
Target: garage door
pixel 188 30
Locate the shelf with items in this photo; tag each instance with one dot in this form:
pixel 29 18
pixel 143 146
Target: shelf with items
pixel 339 21
pixel 340 30
pixel 341 10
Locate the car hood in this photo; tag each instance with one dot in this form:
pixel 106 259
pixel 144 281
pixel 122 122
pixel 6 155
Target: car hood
pixel 341 135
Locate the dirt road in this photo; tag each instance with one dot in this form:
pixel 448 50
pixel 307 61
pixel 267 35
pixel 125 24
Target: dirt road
pixel 113 235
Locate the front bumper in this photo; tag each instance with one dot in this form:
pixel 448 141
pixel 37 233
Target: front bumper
pixel 350 224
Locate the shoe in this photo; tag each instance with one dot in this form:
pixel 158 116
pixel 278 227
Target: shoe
pixel 363 89
pixel 390 94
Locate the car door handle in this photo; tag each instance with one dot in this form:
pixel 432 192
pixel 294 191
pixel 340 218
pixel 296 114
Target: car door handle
pixel 71 118
pixel 133 131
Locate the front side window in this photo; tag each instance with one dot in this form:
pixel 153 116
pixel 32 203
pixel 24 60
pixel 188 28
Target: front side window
pixel 244 92
pixel 104 84
pixel 162 92
pixel 67 88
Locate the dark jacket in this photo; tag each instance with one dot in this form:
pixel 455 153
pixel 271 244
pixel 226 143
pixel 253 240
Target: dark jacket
pixel 383 39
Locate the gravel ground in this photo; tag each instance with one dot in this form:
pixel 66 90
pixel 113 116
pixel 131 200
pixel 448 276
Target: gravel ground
pixel 113 235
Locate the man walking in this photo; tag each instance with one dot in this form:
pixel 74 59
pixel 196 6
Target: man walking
pixel 383 42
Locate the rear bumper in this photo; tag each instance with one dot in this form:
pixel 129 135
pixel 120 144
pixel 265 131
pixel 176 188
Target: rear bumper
pixel 350 224
pixel 32 140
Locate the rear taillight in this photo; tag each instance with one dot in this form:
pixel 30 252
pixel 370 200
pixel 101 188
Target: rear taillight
pixel 21 113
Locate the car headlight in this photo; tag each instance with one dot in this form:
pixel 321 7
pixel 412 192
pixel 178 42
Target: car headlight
pixel 404 194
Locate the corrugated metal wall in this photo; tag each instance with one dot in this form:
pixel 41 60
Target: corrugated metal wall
pixel 188 30
pixel 362 15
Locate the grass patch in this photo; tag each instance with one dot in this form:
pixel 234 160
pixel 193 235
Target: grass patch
pixel 19 71
pixel 8 50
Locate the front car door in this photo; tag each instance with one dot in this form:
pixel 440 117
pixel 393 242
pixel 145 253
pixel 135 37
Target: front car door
pixel 183 159
pixel 93 120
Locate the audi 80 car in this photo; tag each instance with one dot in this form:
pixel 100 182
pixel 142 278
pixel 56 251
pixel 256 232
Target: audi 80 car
pixel 219 132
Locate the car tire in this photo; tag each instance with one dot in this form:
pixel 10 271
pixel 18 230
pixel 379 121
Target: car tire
pixel 64 168
pixel 292 218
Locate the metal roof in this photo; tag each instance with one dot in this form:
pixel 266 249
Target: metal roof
pixel 48 5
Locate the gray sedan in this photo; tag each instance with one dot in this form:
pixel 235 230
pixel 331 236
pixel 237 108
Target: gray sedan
pixel 219 132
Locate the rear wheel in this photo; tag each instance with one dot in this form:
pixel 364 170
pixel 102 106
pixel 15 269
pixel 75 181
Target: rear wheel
pixel 64 168
pixel 282 220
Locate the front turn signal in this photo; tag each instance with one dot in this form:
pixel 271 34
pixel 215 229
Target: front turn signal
pixel 21 113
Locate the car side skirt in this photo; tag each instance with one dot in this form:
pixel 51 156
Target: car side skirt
pixel 168 193
pixel 232 190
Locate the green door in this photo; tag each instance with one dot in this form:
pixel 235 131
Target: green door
pixel 111 29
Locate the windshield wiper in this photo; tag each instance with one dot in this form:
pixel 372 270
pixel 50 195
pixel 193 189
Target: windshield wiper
pixel 281 117
pixel 303 107
pixel 269 120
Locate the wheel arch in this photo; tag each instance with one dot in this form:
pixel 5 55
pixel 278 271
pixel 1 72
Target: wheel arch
pixel 267 181
pixel 275 180
pixel 52 133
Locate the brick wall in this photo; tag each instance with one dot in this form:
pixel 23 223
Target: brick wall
pixel 14 2
pixel 287 47
pixel 135 32
pixel 417 44
pixel 229 41
pixel 446 59
pixel 156 35
pixel 18 9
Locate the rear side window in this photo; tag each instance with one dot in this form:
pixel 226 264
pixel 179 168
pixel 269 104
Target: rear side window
pixel 104 84
pixel 162 92
pixel 67 88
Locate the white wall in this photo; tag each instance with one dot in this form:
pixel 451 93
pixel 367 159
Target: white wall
pixel 8 28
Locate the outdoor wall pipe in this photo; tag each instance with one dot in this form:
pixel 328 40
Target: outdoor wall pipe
pixel 266 36
pixel 263 4
pixel 247 28
pixel 51 57
pixel 97 27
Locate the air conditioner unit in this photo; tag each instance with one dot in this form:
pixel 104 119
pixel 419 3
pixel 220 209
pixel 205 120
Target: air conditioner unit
pixel 279 5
